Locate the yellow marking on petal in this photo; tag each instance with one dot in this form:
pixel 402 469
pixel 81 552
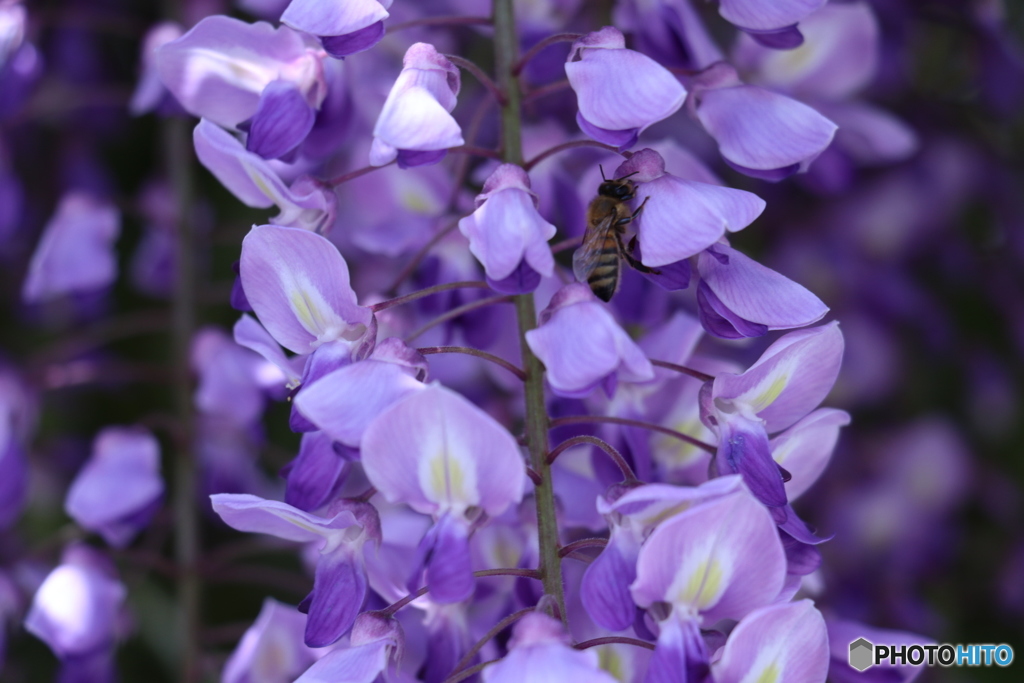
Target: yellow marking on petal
pixel 438 475
pixel 704 585
pixel 611 661
pixel 770 674
pixel 770 393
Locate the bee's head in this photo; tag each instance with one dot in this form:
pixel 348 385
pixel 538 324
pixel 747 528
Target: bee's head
pixel 618 189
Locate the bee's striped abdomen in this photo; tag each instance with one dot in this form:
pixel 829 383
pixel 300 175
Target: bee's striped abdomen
pixel 604 279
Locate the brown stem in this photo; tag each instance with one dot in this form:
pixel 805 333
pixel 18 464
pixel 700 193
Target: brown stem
pixel 582 543
pixel 471 671
pixel 495 630
pixel 481 76
pixel 608 640
pixel 518 67
pixel 545 90
pixel 390 610
pixel 352 175
pixel 428 350
pixel 572 144
pixel 399 300
pixel 627 471
pixel 697 374
pixel 476 151
pixel 568 243
pixel 420 255
pixel 605 419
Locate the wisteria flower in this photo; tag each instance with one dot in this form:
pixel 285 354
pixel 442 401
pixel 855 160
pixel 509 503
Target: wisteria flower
pixel 620 92
pixel 583 347
pixel 416 126
pixel 681 217
pixel 343 28
pixel 76 252
pixel 773 23
pixel 507 234
pixel 272 649
pixel 441 455
pixel 119 489
pixel 540 652
pixel 339 586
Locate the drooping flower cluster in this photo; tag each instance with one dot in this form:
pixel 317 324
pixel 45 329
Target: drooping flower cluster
pixel 540 388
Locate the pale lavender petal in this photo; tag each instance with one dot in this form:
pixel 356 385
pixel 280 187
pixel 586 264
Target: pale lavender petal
pixel 806 448
pixel 229 383
pixel 250 513
pixel 722 558
pixel 721 321
pixel 118 489
pixel 250 334
pixel 789 380
pixel 278 629
pixel 75 608
pixel 219 68
pixel 298 285
pixel 316 474
pixel 757 294
pixel 150 91
pixel 436 451
pixel 871 135
pixel 76 250
pixel 523 280
pixel 762 130
pixel 682 218
pixel 762 15
pixel 359 664
pixel 623 139
pixel 619 89
pixel 339 589
pixel 343 403
pixel 788 638
pixel 332 18
pixel 282 121
pixel 839 55
pixel 412 119
pixel 540 653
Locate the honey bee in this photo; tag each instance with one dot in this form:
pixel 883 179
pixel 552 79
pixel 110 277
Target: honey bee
pixel 597 260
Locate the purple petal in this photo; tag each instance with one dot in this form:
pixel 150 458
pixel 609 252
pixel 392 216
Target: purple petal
pixel 682 218
pixel 622 139
pixel 871 135
pixel 13 482
pixel 605 587
pixel 762 16
pixel 725 550
pixel 359 664
pixel 719 320
pixel 298 284
pixel 448 561
pixel 345 402
pixel 249 333
pixel 680 654
pixel 671 277
pixel 250 513
pixel 787 38
pixel 773 175
pixel 412 119
pixel 412 159
pixel 539 652
pixel 790 379
pixel 76 250
pixel 120 480
pixel 801 558
pixel 339 589
pixel 282 121
pixel 332 18
pixel 352 43
pixel 436 451
pixel 619 89
pixel 762 130
pixel 756 294
pixel 789 637
pixel 806 448
pixel 523 280
pixel 277 629
pixel 316 474
pixel 798 529
pixel 743 449
pixel 219 68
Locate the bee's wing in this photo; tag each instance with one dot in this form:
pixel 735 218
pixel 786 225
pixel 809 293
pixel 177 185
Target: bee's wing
pixel 588 256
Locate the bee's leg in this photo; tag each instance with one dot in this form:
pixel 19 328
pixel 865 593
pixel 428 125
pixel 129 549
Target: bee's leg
pixel 640 208
pixel 629 219
pixel 632 260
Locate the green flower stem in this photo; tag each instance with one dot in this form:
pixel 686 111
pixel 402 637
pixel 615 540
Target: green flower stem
pixel 506 50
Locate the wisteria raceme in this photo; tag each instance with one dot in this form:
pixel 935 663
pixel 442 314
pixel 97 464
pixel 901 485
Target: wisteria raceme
pixel 652 341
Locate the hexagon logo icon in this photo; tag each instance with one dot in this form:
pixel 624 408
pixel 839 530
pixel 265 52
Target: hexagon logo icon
pixel 861 654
